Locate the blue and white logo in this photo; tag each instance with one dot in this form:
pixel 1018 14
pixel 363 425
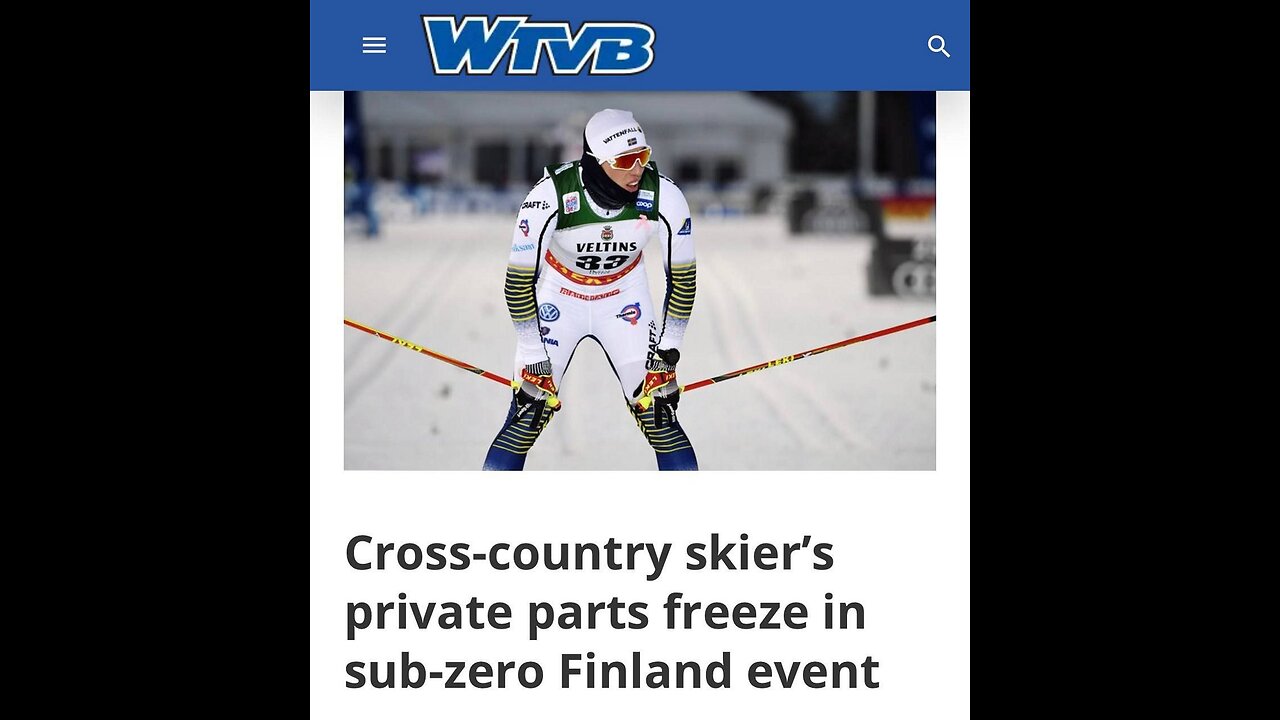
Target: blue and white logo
pixel 687 227
pixel 474 45
pixel 630 313
pixel 644 204
pixel 548 312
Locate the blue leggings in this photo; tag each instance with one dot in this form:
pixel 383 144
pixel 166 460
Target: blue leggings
pixel 670 443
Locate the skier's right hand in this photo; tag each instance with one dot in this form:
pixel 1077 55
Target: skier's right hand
pixel 538 390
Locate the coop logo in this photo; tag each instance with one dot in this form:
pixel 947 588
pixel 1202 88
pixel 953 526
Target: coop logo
pixel 475 44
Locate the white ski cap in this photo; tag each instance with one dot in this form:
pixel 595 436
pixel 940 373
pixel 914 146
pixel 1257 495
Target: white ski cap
pixel 611 133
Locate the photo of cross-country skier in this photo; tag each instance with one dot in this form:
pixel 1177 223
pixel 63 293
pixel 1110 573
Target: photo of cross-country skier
pixel 639 281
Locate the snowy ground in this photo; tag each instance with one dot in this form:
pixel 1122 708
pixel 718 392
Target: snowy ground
pixel 761 295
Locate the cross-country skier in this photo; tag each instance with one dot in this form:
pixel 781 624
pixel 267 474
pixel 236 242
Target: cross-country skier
pixel 577 270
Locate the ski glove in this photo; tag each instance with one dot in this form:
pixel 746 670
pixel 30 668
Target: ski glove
pixel 537 390
pixel 659 387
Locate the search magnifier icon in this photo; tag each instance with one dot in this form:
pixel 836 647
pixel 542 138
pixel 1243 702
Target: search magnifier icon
pixel 942 45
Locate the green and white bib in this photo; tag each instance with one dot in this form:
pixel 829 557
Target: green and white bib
pixel 592 246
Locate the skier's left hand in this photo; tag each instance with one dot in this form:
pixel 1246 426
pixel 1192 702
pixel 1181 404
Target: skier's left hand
pixel 659 387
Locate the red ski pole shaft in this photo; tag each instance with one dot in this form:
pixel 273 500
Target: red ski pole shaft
pixel 798 356
pixel 429 353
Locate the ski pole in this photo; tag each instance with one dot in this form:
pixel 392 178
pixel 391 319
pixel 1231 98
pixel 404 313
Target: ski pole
pixel 685 388
pixel 798 356
pixel 412 346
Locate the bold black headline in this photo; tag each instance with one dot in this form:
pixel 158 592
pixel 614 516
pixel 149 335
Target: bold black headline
pixel 585 670
pixel 364 554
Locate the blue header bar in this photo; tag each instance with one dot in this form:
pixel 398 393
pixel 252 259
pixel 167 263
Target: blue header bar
pixel 653 45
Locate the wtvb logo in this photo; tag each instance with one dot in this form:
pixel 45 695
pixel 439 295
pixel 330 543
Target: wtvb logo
pixel 475 47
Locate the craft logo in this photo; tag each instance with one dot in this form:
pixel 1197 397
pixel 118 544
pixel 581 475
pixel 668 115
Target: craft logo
pixel 548 312
pixel 475 45
pixel 524 227
pixel 630 313
pixel 607 233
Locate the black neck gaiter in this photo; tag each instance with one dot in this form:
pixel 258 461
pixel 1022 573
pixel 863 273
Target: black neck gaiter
pixel 605 192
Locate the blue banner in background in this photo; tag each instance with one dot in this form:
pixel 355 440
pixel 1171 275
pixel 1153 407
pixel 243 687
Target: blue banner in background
pixel 655 45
